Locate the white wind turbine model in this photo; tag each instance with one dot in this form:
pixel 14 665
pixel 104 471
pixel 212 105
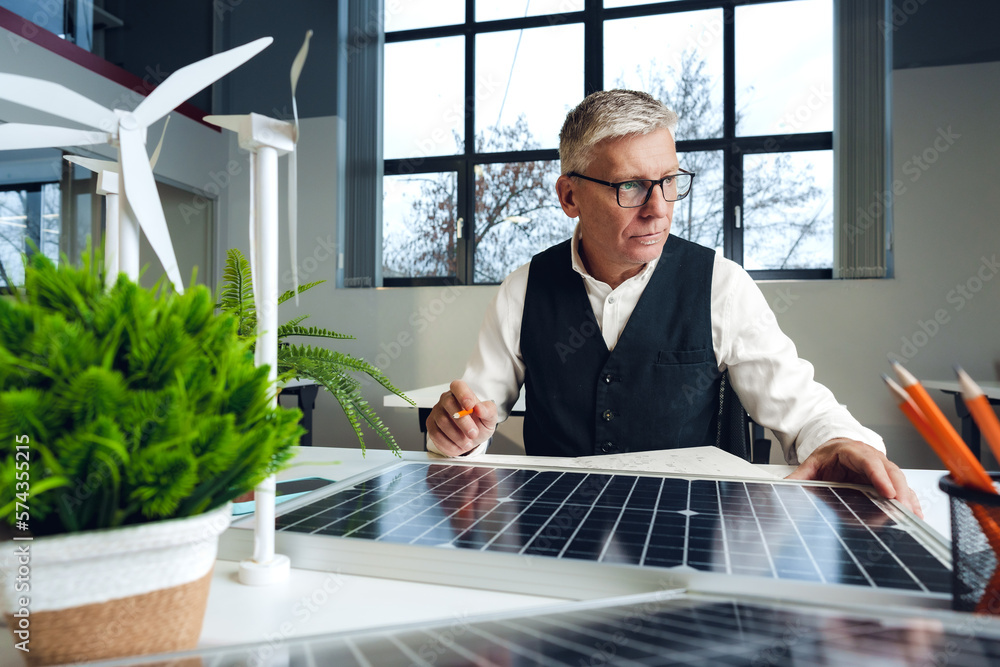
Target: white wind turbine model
pixel 267 138
pixel 108 186
pixel 125 130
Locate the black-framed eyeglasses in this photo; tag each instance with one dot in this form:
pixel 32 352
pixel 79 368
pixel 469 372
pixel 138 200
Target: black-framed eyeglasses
pixel 636 192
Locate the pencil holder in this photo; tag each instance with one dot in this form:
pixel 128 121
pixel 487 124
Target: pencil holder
pixel 975 547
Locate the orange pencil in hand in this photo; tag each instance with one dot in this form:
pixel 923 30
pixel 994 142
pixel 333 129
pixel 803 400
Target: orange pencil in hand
pixel 462 413
pixel 980 409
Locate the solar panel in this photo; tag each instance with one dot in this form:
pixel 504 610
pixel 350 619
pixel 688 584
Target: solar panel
pixel 676 527
pixel 656 629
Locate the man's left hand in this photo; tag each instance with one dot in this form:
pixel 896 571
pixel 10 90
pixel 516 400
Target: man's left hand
pixel 844 460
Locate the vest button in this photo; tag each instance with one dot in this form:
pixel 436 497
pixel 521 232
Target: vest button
pixel 608 447
pixel 608 415
pixel 608 379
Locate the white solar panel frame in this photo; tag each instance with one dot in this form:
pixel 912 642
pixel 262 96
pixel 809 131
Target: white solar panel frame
pixel 565 577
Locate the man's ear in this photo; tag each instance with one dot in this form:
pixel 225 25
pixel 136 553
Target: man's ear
pixel 566 190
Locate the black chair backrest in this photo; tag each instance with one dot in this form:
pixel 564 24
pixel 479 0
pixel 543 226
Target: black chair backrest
pixel 735 432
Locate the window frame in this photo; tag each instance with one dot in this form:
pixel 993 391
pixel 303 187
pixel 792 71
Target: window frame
pixel 593 17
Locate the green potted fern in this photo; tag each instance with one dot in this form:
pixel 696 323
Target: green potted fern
pixel 129 418
pixel 328 368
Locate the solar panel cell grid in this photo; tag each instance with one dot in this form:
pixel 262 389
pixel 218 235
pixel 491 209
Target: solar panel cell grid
pixel 657 630
pixel 785 531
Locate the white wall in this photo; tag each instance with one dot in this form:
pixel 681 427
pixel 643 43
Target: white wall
pixel 945 224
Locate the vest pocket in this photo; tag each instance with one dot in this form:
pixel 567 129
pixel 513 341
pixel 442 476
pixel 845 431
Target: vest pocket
pixel 684 357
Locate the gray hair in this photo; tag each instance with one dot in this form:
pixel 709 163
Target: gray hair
pixel 609 114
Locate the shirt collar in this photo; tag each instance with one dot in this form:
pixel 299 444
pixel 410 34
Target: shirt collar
pixel 578 263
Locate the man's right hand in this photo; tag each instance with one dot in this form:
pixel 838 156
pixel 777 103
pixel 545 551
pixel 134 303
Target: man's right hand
pixel 449 436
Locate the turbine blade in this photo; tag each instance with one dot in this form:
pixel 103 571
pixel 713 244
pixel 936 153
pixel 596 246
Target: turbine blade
pixel 293 171
pixel 293 219
pixel 92 164
pixel 300 61
pixel 56 100
pixel 232 123
pixel 156 153
pixel 297 65
pixel 140 189
pixel 14 136
pixel 187 81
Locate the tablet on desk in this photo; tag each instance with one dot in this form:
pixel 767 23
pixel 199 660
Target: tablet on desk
pixel 284 491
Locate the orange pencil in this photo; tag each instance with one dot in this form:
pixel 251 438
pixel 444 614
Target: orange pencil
pixel 964 472
pixel 955 461
pixel 966 467
pixel 462 413
pixel 980 409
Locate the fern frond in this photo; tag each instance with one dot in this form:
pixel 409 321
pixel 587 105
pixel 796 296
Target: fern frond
pixel 237 286
pixel 302 288
pixel 325 367
pixel 291 329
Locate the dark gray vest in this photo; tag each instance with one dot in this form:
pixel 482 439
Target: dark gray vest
pixel 658 389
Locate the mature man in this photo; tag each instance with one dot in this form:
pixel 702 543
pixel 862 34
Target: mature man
pixel 665 318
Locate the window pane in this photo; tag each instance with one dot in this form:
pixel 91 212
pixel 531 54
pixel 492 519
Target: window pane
pixel 29 219
pixel 424 102
pixel 13 232
pixel 698 217
pixel 788 210
pixel 784 68
pixel 677 58
pixel 519 102
pixel 491 10
pixel 48 14
pixel 517 216
pixel 418 225
pixel 410 14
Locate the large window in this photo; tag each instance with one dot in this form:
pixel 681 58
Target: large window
pixel 475 92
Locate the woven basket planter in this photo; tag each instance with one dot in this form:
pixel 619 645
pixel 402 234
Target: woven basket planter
pixel 109 593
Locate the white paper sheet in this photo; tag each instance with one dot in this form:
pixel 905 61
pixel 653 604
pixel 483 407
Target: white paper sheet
pixel 687 461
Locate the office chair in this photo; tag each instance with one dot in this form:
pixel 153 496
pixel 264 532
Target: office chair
pixel 735 432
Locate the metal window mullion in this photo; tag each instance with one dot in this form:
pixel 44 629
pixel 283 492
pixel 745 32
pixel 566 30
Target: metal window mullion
pixel 465 246
pixel 593 46
pixel 33 219
pixel 788 143
pixel 732 159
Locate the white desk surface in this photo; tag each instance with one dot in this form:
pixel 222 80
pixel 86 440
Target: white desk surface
pixel 313 603
pixel 990 388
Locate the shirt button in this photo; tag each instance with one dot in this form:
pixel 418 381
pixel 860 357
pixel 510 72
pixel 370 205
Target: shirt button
pixel 608 415
pixel 608 447
pixel 611 299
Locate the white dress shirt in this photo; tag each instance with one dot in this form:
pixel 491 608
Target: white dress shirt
pixel 774 385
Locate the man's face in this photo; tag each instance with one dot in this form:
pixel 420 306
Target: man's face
pixel 619 241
